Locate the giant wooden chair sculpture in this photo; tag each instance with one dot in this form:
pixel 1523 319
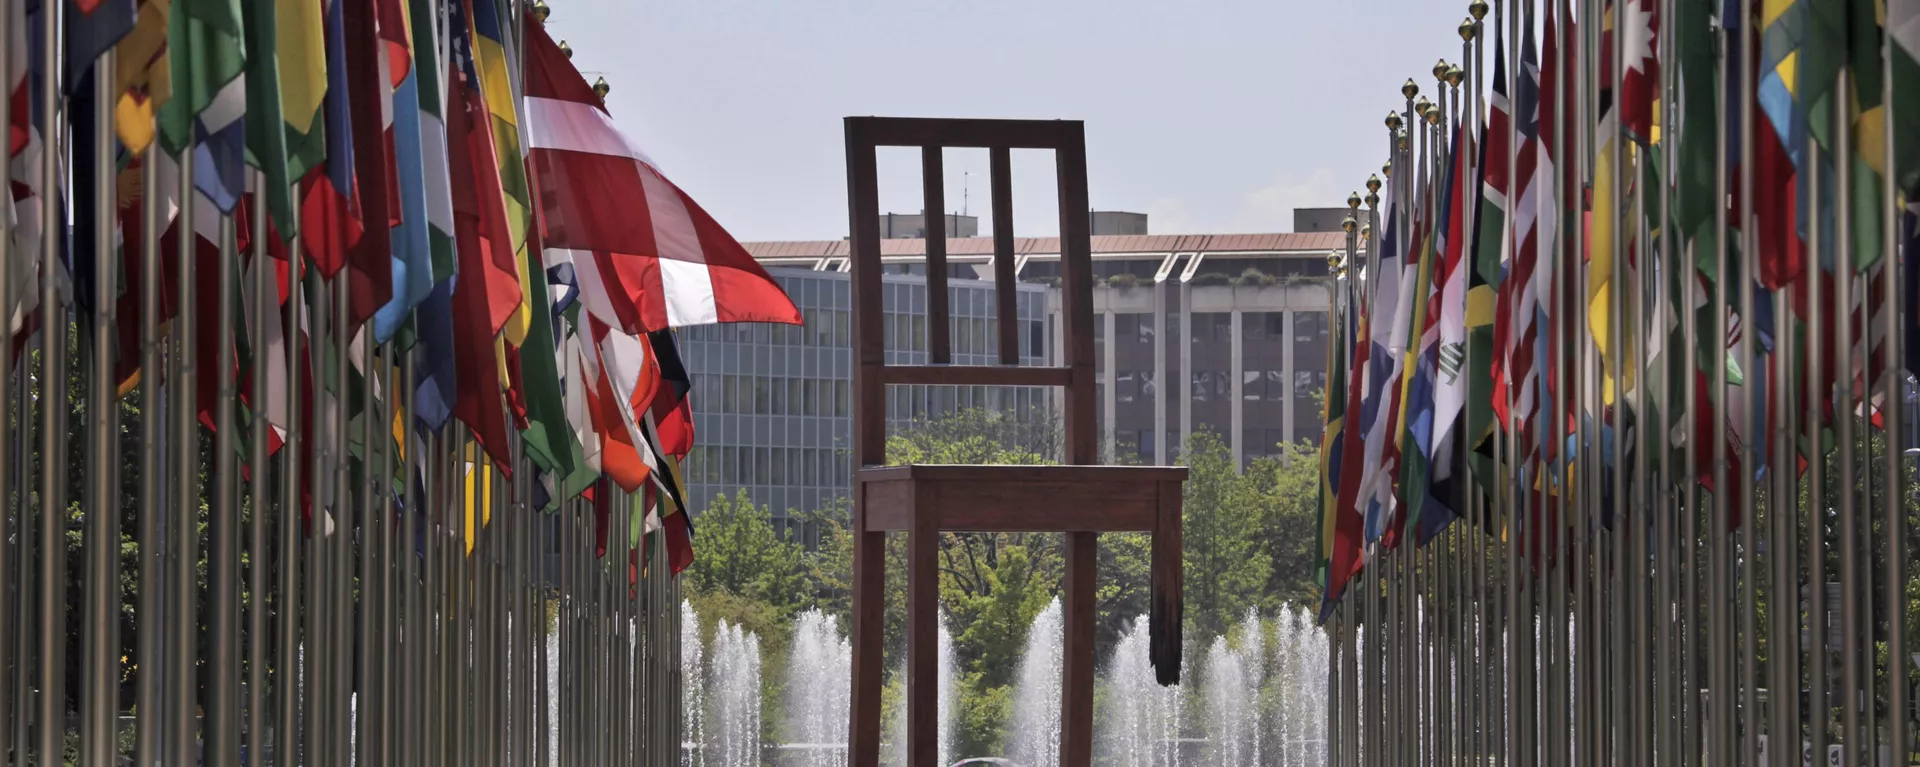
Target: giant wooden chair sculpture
pixel 1078 499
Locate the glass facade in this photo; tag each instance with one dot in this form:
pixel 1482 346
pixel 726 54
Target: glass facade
pixel 772 404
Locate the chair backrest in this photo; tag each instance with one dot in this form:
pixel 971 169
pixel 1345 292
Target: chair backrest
pixel 872 374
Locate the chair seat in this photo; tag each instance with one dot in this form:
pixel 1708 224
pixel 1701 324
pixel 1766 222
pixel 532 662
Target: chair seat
pixel 1018 498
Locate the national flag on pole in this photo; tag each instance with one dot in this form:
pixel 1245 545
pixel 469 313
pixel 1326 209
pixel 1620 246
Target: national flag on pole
pixel 1388 319
pixel 302 44
pixel 645 255
pixel 412 237
pixel 492 65
pixel 476 187
pixel 330 220
pixel 671 409
pixel 370 261
pixel 92 27
pixel 142 75
pixel 1491 258
pixel 209 96
pixel 265 123
pixel 490 287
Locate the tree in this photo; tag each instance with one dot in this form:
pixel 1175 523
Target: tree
pixel 1226 570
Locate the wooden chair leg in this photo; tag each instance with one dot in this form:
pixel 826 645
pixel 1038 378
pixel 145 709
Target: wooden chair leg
pixel 923 642
pixel 869 629
pixel 1076 680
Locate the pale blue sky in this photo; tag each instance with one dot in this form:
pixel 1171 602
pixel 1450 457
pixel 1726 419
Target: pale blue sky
pixel 1210 115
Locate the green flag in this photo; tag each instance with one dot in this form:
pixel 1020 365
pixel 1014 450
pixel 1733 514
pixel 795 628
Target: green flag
pixel 266 136
pixel 207 52
pixel 548 439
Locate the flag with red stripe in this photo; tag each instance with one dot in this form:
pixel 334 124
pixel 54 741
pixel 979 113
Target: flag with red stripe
pixel 645 254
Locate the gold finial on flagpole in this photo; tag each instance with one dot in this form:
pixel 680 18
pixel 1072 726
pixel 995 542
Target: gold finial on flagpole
pixel 1386 169
pixel 541 11
pixel 1422 106
pixel 1468 29
pixel 1348 224
pixel 1353 201
pixel 1455 75
pixel 566 49
pixel 1440 69
pixel 1478 8
pixel 1373 182
pixel 1393 121
pixel 600 88
pixel 1410 89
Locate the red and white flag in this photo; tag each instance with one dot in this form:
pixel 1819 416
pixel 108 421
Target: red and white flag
pixel 646 256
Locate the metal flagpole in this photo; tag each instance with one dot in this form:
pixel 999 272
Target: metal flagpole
pixel 1749 526
pixel 1617 741
pixel 259 494
pixel 223 557
pixel 1850 596
pixel 101 660
pixel 183 535
pixel 412 619
pixel 1820 711
pixel 148 659
pixel 366 642
pixel 391 713
pixel 292 667
pixel 318 736
pixel 1894 525
pixel 347 724
pixel 10 509
pixel 1662 740
pixel 50 714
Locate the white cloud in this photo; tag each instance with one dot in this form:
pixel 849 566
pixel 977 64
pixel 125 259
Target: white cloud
pixel 1169 216
pixel 1270 208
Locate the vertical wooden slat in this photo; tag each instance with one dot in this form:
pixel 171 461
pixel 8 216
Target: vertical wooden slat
pixel 1006 293
pixel 870 443
pixel 933 215
pixel 1076 272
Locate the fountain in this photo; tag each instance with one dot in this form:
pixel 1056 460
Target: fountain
pixel 693 689
pixel 1231 680
pixel 1036 701
pixel 945 697
pixel 1141 725
pixel 1300 657
pixel 819 693
pixel 734 738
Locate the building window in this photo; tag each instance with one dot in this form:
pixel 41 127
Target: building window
pixel 1145 444
pixel 1037 341
pixel 1202 387
pixel 1309 327
pixel 1146 385
pixel 1251 387
pixel 840 399
pixel 1212 326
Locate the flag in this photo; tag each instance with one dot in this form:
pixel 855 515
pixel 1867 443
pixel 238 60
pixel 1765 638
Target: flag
pixel 1640 78
pixel 621 378
pixel 1425 423
pixel 671 407
pixel 330 221
pixel 492 63
pixel 265 122
pixel 476 187
pixel 1344 532
pixel 301 42
pixel 370 96
pixel 412 267
pixel 92 27
pixel 433 319
pixel 209 99
pixel 1389 319
pixel 24 195
pixel 1903 33
pixel 1491 257
pixel 646 256
pixel 546 436
pixel 1514 329
pixel 1450 314
pixel 142 75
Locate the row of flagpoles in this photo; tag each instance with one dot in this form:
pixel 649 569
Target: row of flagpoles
pixel 365 308
pixel 1624 342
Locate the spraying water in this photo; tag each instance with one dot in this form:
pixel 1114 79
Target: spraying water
pixel 693 688
pixel 1141 724
pixel 733 739
pixel 945 698
pixel 1036 702
pixel 819 692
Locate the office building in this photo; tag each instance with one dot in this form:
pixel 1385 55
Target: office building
pixel 1240 321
